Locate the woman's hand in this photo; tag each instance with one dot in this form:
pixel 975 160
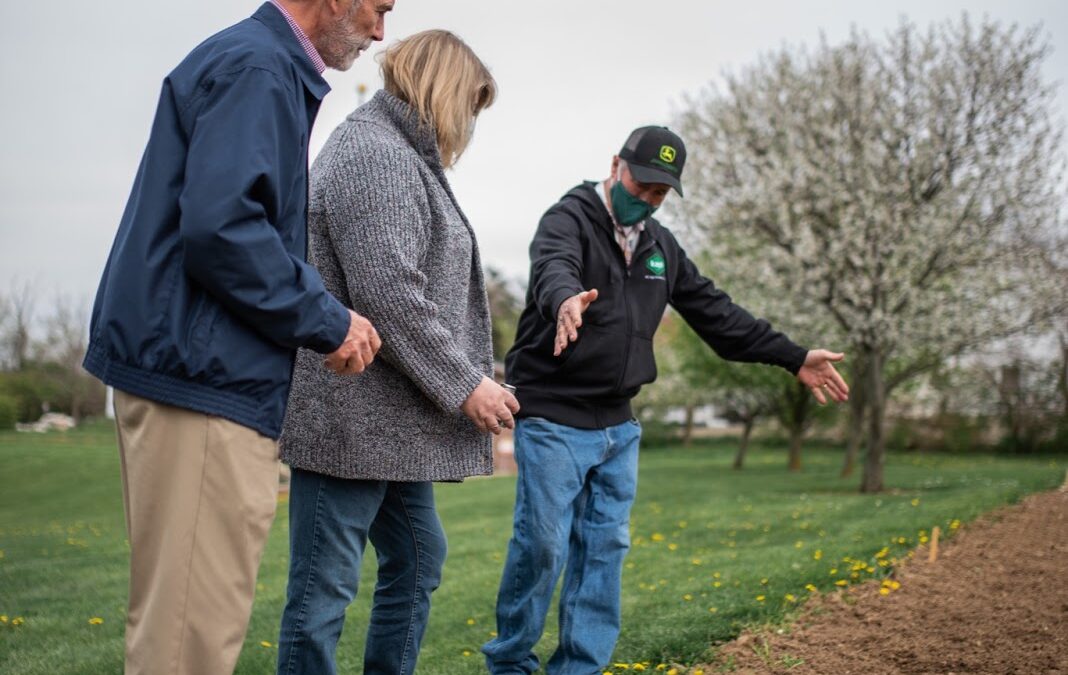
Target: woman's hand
pixel 490 406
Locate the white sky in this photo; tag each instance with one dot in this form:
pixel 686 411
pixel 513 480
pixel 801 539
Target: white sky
pixel 81 79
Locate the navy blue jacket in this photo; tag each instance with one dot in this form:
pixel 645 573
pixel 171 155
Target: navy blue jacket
pixel 206 294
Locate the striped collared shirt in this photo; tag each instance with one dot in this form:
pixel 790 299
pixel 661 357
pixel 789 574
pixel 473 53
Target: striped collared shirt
pixel 305 41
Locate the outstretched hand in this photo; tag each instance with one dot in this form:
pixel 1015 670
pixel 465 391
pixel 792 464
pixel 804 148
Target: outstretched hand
pixel 569 319
pixel 819 375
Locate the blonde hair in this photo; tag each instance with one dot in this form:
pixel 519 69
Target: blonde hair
pixel 446 84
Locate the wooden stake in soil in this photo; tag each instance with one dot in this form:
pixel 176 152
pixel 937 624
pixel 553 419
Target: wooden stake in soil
pixel 934 544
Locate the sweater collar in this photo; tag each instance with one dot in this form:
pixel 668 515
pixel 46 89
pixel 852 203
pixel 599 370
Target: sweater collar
pixel 385 108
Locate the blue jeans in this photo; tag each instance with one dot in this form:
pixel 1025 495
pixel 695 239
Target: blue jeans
pixel 573 500
pixel 330 521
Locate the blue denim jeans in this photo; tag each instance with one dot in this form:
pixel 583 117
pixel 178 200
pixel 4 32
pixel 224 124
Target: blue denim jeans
pixel 573 500
pixel 330 521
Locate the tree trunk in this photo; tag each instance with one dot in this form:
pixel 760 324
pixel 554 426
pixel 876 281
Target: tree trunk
pixel 876 459
pixel 687 434
pixel 798 404
pixel 1062 380
pixel 743 444
pixel 796 435
pixel 858 406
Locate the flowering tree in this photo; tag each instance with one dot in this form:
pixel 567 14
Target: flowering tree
pixel 902 194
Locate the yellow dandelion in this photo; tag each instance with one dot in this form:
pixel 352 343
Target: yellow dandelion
pixel 760 598
pixel 657 536
pixel 470 622
pixel 607 672
pixel 817 554
pixel 673 547
pixel 3 618
pixel 493 633
pixel 834 571
pixel 687 597
pixel 638 666
pixel 18 621
pixel 789 597
pixel 673 671
pixel 764 581
pixel 915 502
pixel 798 544
pixel 621 666
pixel 841 582
pixel 661 666
pixel 696 561
pixel 698 671
pixel 901 540
pixel 811 588
pixel 95 621
pixel 683 524
pixel 923 539
pixel 717 584
pixel 953 525
pixel 884 591
pixel 715 575
pixel 895 585
pixel 265 644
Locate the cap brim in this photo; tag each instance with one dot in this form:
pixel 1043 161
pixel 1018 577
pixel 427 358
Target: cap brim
pixel 645 174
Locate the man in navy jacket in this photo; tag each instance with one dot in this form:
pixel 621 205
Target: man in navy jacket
pixel 601 275
pixel 205 298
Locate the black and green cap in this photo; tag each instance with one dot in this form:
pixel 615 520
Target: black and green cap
pixel 655 155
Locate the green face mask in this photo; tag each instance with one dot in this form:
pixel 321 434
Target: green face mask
pixel 627 208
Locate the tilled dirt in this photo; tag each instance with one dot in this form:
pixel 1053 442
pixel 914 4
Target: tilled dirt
pixel 994 601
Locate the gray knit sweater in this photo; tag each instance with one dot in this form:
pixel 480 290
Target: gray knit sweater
pixel 390 241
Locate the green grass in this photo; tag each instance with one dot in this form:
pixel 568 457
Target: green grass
pixel 63 559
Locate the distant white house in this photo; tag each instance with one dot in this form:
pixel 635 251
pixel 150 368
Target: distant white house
pixel 48 422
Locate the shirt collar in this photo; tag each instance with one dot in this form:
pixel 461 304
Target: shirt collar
pixel 302 37
pixel 272 17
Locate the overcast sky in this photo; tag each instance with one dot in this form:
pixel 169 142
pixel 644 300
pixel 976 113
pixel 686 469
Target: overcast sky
pixel 81 79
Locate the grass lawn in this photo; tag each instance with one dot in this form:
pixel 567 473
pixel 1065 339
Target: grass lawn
pixel 713 549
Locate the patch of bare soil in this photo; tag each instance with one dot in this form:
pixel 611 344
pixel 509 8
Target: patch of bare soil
pixel 994 601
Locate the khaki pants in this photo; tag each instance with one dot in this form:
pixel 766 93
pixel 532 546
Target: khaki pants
pixel 200 493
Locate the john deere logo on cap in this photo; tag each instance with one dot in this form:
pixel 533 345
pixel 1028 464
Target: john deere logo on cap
pixel 656 264
pixel 667 153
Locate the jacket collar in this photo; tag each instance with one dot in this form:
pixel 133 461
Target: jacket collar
pixel 269 15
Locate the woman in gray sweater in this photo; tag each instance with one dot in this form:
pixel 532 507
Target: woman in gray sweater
pixel 389 239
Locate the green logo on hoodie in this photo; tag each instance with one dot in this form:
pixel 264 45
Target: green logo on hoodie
pixel 655 263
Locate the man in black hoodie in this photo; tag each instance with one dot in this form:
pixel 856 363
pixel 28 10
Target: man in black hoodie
pixel 602 264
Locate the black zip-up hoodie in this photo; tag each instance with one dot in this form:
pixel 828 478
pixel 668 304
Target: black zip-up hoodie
pixel 591 383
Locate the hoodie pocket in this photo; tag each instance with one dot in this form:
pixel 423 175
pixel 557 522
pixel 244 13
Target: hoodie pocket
pixel 641 366
pixel 595 362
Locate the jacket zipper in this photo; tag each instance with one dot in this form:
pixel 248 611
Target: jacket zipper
pixel 626 309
